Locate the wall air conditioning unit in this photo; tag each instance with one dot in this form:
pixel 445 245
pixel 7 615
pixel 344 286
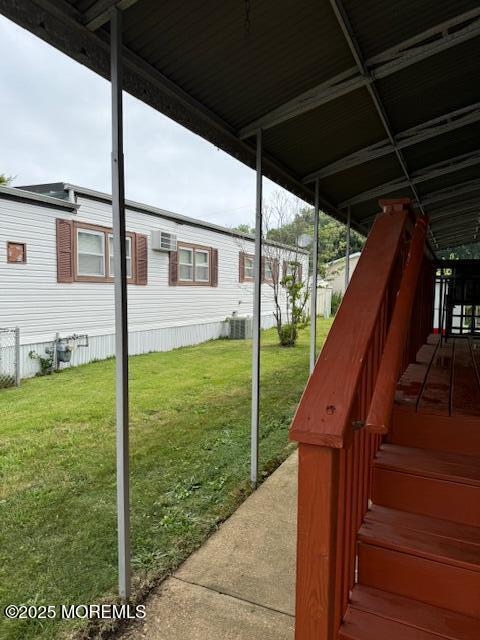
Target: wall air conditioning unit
pixel 240 327
pixel 163 241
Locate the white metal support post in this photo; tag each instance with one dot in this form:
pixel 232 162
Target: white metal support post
pixel 121 321
pixel 313 302
pixel 257 300
pixel 18 364
pixel 347 252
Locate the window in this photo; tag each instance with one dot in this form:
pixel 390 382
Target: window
pixel 185 263
pixel 90 253
pixel 246 267
pixel 16 252
pixel 268 270
pixel 194 264
pixel 111 262
pixel 201 265
pixel 249 267
pixel 85 253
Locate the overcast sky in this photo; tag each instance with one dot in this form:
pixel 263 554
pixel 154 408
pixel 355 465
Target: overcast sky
pixel 55 127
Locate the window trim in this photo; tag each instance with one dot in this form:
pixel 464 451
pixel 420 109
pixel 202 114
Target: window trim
pixel 107 232
pixel 194 247
pixel 18 244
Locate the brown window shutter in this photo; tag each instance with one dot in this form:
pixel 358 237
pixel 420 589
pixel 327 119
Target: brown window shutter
pixel 173 268
pixel 300 273
pixel 141 256
pixel 285 268
pixel 214 267
pixel 241 266
pixel 64 250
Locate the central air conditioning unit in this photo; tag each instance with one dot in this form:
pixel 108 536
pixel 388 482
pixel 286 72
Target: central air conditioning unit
pixel 163 241
pixel 240 327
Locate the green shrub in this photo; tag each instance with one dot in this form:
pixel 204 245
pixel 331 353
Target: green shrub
pixel 288 335
pixel 337 298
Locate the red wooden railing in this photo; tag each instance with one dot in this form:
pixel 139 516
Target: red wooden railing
pixel 335 451
pixel 398 350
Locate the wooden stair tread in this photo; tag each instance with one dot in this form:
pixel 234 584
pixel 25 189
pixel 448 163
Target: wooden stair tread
pixel 410 385
pixel 426 524
pixel 435 397
pixel 414 614
pixel 360 625
pixel 443 465
pixel 420 544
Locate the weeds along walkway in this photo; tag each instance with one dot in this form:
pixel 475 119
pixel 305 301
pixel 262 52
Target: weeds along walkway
pixel 241 584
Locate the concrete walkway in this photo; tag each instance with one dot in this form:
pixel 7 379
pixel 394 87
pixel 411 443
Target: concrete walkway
pixel 240 584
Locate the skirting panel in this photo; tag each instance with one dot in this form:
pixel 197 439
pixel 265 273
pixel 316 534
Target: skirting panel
pixel 161 339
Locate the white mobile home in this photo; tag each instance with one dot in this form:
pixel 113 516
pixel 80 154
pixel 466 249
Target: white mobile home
pixel 56 273
pixel 335 272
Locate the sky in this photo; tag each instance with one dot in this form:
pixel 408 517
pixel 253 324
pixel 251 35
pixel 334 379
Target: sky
pixel 55 116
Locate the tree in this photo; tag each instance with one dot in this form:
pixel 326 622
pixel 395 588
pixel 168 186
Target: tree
pixel 282 224
pixel 244 228
pixel 464 252
pixel 282 264
pixel 332 239
pixel 5 180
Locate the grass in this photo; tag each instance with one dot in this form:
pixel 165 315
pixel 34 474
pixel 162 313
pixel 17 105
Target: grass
pixel 190 421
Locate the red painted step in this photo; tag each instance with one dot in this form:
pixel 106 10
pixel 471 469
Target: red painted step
pixel 436 583
pixel 359 625
pixel 432 483
pixel 417 558
pixel 455 434
pixel 425 525
pixel 408 618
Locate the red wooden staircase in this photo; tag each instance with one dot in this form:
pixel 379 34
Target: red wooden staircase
pixel 389 475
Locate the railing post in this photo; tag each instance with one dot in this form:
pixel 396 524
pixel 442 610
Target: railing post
pixel 318 482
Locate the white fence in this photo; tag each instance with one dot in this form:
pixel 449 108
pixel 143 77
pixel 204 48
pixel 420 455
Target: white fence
pixel 9 357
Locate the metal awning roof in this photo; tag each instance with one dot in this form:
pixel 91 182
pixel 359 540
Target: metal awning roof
pixel 373 98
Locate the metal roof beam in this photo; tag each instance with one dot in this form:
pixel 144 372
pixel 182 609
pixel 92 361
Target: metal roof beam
pixel 99 12
pixel 460 222
pixel 464 236
pixel 420 133
pixel 423 175
pixel 348 32
pixel 452 210
pixel 453 191
pixel 428 43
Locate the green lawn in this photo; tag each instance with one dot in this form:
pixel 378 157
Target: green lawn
pixel 190 421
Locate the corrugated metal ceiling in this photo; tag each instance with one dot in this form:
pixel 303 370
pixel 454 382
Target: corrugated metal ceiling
pixel 217 67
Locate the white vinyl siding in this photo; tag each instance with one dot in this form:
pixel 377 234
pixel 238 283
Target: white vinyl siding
pixel 31 297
